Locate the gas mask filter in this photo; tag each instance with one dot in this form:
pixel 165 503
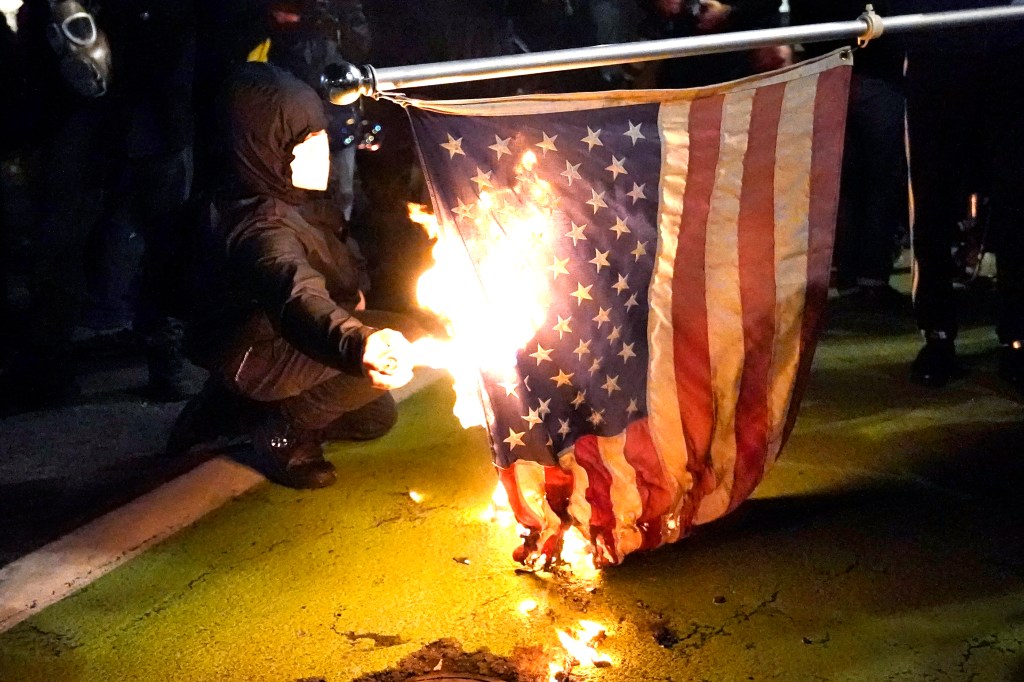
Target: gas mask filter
pixel 81 47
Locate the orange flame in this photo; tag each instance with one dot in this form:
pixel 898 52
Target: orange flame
pixel 581 647
pixel 488 283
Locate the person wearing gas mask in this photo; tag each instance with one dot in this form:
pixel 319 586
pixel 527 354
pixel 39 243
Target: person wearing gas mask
pixel 110 92
pixel 293 358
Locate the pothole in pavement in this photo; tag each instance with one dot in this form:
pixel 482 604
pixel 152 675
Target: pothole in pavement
pixel 445 661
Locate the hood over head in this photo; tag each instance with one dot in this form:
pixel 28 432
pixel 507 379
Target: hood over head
pixel 269 112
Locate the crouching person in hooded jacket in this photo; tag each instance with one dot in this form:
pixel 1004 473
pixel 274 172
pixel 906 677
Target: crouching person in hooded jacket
pixel 275 323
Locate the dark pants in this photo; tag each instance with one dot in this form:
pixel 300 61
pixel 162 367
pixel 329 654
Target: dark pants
pixel 964 116
pixel 76 198
pixel 873 191
pixel 310 395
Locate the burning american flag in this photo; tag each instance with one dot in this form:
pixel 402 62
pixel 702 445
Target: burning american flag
pixel 638 278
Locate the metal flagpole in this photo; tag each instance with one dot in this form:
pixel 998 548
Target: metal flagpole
pixel 346 82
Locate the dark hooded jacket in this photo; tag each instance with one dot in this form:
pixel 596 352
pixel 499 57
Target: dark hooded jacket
pixel 270 267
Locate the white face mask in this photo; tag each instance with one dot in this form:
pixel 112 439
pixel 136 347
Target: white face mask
pixel 311 167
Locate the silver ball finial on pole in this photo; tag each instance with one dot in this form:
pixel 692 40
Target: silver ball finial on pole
pixel 344 83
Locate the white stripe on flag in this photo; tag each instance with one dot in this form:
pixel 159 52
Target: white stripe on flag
pixel 792 203
pixel 662 397
pixel 627 506
pixel 532 483
pixel 579 507
pixel 724 307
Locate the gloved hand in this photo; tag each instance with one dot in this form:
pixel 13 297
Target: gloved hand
pixel 387 358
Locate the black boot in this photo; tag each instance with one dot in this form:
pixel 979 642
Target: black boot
pixel 292 457
pixel 165 360
pixel 1011 364
pixel 936 363
pixel 214 416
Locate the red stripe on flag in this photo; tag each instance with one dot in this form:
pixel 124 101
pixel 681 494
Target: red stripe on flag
pixel 599 495
pixel 756 240
pixel 524 515
pixel 558 490
pixel 655 495
pixel 692 355
pixel 830 102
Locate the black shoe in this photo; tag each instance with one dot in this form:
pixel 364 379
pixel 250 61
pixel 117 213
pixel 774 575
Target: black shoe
pixel 292 457
pixel 212 416
pixel 1011 364
pixel 166 363
pixel 935 364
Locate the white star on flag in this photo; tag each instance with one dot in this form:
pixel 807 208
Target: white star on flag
pixel 453 146
pixel 572 172
pixel 637 192
pixel 563 379
pixel 640 250
pixel 532 418
pixel 557 267
pixel 576 233
pixel 611 384
pixel 596 200
pixel 582 293
pixel 500 146
pixel 619 228
pixel 617 168
pixel 463 211
pixel 515 439
pixel 600 259
pixel 562 326
pixel 542 354
pixel 593 139
pixel 634 133
pixel 548 143
pixel 482 179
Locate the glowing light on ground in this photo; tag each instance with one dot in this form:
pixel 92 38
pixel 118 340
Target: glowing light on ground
pixel 527 605
pixel 415 496
pixel 499 511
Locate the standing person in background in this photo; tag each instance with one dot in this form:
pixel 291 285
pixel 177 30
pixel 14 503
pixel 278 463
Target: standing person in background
pixel 873 190
pixel 107 149
pixel 965 95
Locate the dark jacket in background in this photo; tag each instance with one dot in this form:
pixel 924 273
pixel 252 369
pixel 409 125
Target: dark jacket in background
pixel 882 58
pixel 702 70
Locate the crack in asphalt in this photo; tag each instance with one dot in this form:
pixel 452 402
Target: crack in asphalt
pixel 700 634
pixel 57 642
